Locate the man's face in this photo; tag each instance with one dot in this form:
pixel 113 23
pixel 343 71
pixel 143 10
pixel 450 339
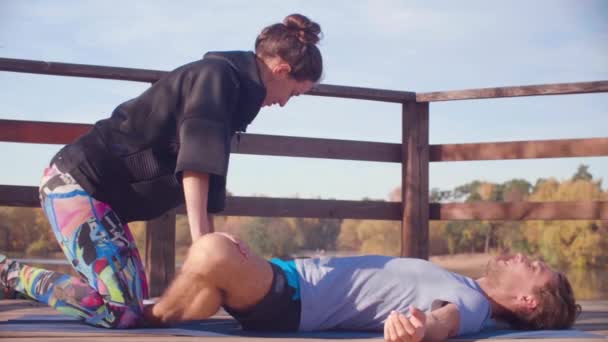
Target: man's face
pixel 518 274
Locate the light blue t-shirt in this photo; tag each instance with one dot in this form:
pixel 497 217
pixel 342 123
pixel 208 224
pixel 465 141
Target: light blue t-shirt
pixel 359 293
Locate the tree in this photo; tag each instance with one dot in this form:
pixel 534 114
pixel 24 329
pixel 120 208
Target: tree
pixel 24 226
pixel 437 195
pixel 318 233
pixel 272 237
pixel 568 243
pixel 514 190
pixel 370 237
pixel 437 242
pixel 582 173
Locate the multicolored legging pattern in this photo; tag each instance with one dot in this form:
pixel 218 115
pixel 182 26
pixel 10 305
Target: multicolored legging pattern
pixel 100 247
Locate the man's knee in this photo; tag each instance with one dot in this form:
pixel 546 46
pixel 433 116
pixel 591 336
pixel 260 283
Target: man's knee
pixel 209 253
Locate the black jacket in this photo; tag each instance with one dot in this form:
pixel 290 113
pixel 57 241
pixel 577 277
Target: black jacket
pixel 185 121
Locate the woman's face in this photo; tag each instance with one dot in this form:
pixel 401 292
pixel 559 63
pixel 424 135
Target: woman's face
pixel 280 86
pixel 284 90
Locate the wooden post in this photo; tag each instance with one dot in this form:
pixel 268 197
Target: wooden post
pixel 160 252
pixel 415 180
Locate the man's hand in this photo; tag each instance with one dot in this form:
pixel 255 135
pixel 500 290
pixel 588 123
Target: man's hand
pixel 399 328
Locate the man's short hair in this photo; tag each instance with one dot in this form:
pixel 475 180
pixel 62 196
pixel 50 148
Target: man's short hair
pixel 557 308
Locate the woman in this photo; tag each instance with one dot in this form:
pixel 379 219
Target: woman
pixel 168 146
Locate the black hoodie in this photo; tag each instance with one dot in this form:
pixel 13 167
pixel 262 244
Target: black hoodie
pixel 185 121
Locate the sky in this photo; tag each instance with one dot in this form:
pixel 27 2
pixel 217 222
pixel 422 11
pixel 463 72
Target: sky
pixel 417 46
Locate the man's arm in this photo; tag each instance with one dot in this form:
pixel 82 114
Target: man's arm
pixel 438 325
pixel 442 323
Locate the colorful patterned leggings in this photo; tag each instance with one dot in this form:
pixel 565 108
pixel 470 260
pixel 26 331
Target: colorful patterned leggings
pixel 112 283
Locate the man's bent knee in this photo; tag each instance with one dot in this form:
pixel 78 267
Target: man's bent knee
pixel 212 252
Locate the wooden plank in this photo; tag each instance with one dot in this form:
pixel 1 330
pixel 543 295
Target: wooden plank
pixel 79 70
pixel 520 211
pixel 27 196
pixel 415 181
pixel 564 148
pixel 41 132
pixel 313 208
pixel 274 145
pixel 19 196
pixel 362 93
pixel 147 75
pixel 160 252
pixel 530 90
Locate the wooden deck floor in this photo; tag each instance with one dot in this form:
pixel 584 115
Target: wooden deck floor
pixel 22 320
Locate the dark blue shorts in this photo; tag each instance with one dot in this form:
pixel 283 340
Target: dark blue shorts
pixel 280 308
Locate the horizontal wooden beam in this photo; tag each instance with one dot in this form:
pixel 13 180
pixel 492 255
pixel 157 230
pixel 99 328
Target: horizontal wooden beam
pixel 41 132
pixel 151 76
pixel 19 196
pixel 564 148
pixel 80 70
pixel 313 208
pixel 530 90
pixel 27 196
pixel 520 211
pixel 363 93
pixel 273 145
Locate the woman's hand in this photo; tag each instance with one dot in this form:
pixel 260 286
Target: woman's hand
pixel 400 328
pixel 243 248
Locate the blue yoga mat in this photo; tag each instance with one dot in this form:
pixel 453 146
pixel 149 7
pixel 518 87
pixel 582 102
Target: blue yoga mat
pixel 228 327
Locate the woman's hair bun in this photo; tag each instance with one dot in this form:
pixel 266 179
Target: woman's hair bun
pixel 294 41
pixel 305 29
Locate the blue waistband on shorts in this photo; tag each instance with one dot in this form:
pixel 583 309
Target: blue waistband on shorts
pixel 289 267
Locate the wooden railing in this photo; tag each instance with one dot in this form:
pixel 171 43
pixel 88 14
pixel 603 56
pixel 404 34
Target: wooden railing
pixel 414 153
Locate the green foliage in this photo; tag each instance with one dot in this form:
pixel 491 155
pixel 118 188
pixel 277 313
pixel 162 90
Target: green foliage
pixel 510 237
pixel 561 243
pixel 183 238
pixel 466 237
pixel 272 237
pixel 582 174
pixel 568 243
pixel 39 248
pixel 21 227
pixel 26 232
pixel 438 245
pixel 318 234
pixel 370 237
pixel 513 190
pixel 138 230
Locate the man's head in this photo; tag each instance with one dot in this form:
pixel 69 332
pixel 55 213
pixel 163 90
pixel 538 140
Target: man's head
pixel 532 294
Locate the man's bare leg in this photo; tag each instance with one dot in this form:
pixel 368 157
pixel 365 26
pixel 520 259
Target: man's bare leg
pixel 215 273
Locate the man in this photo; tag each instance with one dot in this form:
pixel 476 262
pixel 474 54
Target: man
pixel 408 299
